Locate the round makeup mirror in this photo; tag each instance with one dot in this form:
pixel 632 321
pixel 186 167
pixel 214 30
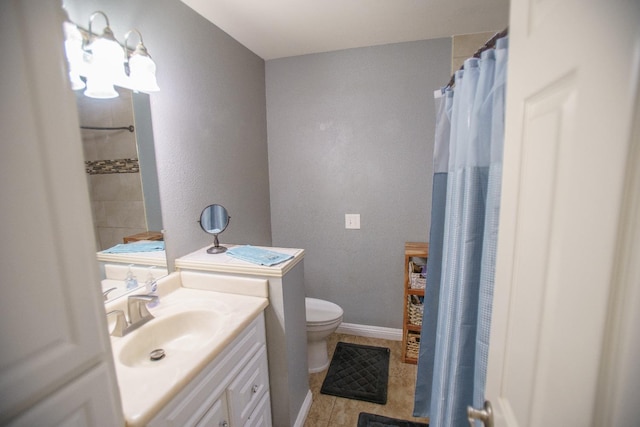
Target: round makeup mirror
pixel 214 219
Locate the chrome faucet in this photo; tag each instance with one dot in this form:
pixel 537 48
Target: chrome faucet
pixel 137 306
pixel 105 294
pixel 138 314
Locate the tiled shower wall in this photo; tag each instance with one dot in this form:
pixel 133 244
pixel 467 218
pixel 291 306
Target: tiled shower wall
pixel 111 161
pixel 464 46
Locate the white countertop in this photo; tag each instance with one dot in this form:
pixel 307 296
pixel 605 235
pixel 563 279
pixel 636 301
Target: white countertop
pixel 223 263
pixel 157 258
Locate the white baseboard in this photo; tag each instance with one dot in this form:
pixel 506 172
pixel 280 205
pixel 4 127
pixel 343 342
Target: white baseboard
pixel 304 410
pixel 370 331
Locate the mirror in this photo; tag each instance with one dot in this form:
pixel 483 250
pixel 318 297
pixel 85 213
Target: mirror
pixel 117 138
pixel 214 219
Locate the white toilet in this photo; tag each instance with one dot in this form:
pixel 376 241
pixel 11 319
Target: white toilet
pixel 323 318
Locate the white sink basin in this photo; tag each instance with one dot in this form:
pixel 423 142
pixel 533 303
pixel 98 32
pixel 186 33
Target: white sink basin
pixel 178 336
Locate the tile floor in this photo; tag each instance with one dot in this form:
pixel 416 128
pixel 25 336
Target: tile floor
pixel 332 411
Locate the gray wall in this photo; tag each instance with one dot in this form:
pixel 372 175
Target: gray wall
pixel 349 132
pixel 352 132
pixel 209 119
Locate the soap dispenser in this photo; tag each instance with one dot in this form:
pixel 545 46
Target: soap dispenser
pixel 151 287
pixel 130 281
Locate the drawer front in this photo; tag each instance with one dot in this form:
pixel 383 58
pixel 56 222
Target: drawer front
pixel 261 416
pixel 247 389
pixel 217 415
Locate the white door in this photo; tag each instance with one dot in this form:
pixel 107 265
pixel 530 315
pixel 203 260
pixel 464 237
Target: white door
pixel 55 357
pixel 570 102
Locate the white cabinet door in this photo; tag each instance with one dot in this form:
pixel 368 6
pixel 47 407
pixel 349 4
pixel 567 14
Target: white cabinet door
pixel 217 415
pixel 571 90
pixel 52 317
pixel 261 416
pixel 247 388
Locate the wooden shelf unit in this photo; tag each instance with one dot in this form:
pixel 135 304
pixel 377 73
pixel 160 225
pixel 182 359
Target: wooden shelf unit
pixel 147 235
pixel 410 330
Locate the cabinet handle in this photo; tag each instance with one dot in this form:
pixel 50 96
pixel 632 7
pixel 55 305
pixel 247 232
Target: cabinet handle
pixel 255 388
pixel 224 424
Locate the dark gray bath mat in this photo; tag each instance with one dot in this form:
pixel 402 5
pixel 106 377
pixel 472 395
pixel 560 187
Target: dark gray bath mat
pixel 358 372
pixel 371 420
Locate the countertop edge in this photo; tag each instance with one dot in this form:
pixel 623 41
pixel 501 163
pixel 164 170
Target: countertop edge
pixel 243 267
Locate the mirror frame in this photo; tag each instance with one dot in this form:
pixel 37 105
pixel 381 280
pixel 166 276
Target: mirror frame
pixel 142 123
pixel 217 210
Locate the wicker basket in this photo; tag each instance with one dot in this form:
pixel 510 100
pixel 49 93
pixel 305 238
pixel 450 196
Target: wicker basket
pixel 417 281
pixel 413 345
pixel 417 276
pixel 414 312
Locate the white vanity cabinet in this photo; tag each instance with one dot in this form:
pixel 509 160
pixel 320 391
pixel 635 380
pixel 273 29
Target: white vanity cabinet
pixel 231 391
pixel 285 319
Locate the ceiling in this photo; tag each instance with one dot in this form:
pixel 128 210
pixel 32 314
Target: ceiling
pixel 280 28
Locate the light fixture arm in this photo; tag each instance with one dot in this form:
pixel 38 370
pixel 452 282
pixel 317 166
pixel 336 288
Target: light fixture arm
pixel 106 33
pixel 140 49
pixel 128 33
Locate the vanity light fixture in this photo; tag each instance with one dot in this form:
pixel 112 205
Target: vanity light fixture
pixel 105 64
pixel 139 66
pixel 75 54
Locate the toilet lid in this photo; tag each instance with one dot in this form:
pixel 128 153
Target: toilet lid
pixel 321 311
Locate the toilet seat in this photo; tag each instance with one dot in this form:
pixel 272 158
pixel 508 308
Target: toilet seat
pixel 323 318
pixel 321 312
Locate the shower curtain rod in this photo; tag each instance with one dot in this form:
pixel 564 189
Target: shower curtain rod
pixel 130 128
pixel 490 44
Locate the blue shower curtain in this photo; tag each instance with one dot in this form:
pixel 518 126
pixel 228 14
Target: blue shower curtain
pixel 462 244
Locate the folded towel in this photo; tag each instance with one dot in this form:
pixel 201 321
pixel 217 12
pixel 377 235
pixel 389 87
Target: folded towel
pixel 124 248
pixel 258 255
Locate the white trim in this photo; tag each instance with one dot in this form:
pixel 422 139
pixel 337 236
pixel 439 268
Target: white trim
pixel 616 403
pixel 304 410
pixel 370 331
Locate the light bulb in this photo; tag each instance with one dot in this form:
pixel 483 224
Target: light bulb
pixel 142 72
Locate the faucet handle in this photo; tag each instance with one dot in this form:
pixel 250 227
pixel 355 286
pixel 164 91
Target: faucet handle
pixel 121 323
pixel 137 305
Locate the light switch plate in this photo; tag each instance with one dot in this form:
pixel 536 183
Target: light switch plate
pixel 352 221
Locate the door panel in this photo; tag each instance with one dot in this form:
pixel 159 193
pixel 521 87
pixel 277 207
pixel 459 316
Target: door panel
pixel 548 119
